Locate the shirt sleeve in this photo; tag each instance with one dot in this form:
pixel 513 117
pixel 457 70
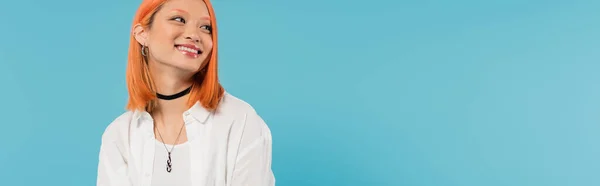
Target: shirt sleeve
pixel 253 163
pixel 112 165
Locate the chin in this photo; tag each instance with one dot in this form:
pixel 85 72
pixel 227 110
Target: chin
pixel 187 64
pixel 189 68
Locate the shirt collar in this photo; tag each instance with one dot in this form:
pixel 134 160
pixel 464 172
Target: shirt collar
pixel 197 112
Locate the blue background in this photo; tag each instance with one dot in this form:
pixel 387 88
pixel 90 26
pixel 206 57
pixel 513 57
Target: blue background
pixel 379 92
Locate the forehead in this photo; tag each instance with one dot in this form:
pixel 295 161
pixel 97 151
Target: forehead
pixel 192 7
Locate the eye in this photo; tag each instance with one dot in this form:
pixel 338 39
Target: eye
pixel 179 19
pixel 207 27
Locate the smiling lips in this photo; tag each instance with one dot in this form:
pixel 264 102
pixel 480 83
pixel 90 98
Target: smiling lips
pixel 189 50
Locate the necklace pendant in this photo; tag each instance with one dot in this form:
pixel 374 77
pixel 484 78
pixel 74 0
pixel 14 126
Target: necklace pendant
pixel 169 168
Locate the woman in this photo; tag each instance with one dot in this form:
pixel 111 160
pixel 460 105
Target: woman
pixel 181 127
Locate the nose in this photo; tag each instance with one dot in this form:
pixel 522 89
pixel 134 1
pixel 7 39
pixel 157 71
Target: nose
pixel 191 33
pixel 193 37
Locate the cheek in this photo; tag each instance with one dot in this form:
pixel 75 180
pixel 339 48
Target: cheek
pixel 164 36
pixel 168 36
pixel 208 44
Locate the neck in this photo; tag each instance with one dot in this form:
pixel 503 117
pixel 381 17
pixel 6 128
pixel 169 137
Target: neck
pixel 169 81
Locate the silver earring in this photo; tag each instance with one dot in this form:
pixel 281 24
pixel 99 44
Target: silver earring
pixel 144 50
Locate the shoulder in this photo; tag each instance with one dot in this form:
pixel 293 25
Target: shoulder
pixel 234 107
pixel 231 104
pixel 119 128
pixel 243 112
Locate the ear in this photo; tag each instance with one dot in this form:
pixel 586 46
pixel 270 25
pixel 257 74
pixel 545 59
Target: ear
pixel 140 34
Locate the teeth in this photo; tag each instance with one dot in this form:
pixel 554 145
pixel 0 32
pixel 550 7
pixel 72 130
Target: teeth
pixel 182 48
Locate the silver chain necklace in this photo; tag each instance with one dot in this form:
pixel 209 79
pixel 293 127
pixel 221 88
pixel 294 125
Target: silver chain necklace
pixel 169 165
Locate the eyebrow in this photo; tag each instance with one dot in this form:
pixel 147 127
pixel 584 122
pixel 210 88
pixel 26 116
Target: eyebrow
pixel 180 10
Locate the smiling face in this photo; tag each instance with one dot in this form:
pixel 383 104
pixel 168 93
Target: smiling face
pixel 179 35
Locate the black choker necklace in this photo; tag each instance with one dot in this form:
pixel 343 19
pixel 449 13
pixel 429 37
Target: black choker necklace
pixel 174 96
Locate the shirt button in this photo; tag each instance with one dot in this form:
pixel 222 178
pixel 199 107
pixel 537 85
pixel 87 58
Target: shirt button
pixel 187 113
pixel 147 174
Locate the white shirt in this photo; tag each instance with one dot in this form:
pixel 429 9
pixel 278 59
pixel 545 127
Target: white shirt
pixel 229 147
pixel 180 165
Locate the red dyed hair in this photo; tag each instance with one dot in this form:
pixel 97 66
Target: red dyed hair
pixel 142 95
